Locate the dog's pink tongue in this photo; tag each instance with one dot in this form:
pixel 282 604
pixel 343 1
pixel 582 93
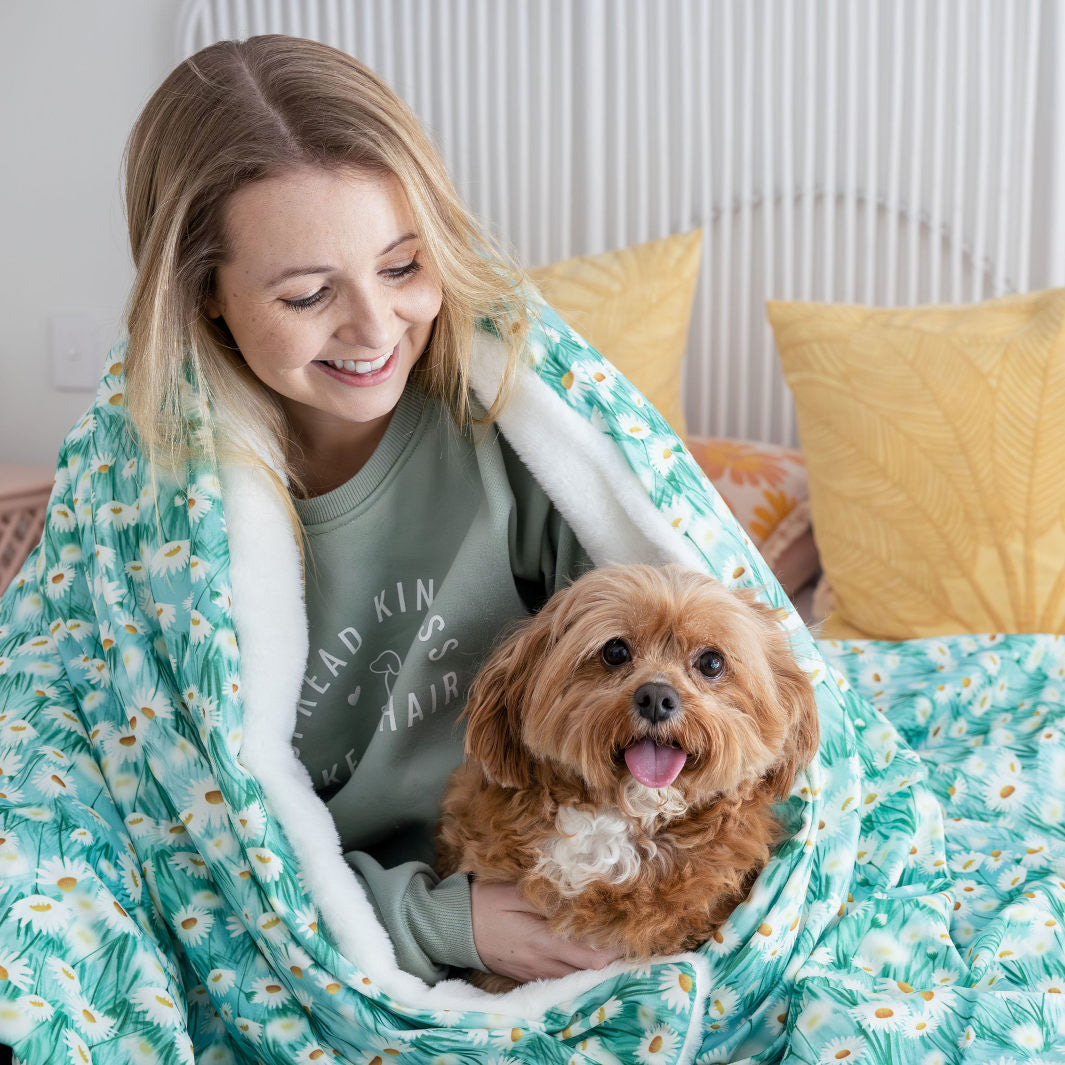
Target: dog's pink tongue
pixel 654 765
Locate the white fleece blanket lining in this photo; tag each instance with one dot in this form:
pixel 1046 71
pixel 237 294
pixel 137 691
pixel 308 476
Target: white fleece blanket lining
pixel 608 509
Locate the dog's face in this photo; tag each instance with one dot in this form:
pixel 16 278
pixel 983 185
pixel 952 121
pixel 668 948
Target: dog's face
pixel 658 674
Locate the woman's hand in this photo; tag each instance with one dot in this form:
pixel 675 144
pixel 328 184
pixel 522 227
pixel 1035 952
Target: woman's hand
pixel 513 940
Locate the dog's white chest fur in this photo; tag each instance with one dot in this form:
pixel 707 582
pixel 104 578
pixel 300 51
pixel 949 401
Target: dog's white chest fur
pixel 605 845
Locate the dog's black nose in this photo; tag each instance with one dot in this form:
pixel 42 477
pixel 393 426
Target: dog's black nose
pixel 656 701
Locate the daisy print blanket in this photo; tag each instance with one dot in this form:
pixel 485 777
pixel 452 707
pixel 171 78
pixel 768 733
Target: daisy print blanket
pixel 172 890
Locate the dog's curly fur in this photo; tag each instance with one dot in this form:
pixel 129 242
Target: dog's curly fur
pixel 546 798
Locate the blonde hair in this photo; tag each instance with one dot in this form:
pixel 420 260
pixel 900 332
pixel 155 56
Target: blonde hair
pixel 239 112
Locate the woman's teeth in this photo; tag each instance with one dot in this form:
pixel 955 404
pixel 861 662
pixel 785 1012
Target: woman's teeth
pixel 353 366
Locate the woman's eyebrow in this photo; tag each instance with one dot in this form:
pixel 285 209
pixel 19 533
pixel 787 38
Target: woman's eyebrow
pixel 299 271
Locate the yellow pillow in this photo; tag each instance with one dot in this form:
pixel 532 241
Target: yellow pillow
pixel 935 443
pixel 633 306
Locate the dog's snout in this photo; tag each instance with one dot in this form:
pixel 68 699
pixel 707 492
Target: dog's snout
pixel 656 701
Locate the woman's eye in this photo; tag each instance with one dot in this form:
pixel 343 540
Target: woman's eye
pixel 397 273
pixel 306 301
pixel 711 664
pixel 616 653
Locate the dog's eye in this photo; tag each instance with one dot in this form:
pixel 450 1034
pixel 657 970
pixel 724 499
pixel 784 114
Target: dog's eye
pixel 711 664
pixel 616 653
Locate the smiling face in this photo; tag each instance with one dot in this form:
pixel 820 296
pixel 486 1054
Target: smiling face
pixel 326 294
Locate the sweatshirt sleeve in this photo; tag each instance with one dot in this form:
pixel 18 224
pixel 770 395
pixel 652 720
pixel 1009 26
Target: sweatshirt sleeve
pixel 545 554
pixel 429 920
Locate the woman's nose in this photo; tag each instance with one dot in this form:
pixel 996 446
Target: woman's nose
pixel 366 321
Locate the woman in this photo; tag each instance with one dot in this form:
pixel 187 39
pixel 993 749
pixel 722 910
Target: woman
pixel 299 512
pixel 302 255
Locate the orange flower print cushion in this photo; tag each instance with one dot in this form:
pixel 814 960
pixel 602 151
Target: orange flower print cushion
pixel 761 483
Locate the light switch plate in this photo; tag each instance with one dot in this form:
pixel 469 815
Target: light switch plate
pixel 77 349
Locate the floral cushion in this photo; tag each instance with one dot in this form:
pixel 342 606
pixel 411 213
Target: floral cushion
pixel 765 487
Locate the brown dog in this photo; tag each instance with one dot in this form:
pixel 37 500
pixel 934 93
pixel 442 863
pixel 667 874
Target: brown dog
pixel 625 747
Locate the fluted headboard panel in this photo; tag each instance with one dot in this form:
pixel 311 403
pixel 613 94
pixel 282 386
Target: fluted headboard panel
pixel 887 151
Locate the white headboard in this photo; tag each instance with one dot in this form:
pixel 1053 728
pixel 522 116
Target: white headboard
pixel 879 151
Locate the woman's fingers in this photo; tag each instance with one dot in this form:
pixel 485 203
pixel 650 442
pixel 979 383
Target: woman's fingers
pixel 514 940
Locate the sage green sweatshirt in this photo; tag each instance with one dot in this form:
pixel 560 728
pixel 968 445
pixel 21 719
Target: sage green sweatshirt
pixel 416 566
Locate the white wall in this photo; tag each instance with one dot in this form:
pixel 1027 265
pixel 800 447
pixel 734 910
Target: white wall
pixel 73 76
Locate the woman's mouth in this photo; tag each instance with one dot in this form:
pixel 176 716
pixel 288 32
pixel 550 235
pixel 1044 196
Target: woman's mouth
pixel 359 371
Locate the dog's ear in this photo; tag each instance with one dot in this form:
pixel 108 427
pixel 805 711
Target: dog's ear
pixel 796 694
pixel 496 701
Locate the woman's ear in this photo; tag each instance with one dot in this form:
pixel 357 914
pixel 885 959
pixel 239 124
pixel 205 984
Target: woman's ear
pixel 212 308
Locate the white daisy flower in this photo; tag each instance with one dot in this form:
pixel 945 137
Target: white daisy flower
pixel 137 570
pixel 250 822
pixel 131 469
pixel 15 731
pixel 84 427
pixel 158 1005
pixel 192 924
pixel 10 762
pixel 195 502
pixel 363 984
pixel 14 974
pixel 63 874
pixel 116 917
pixel 12 861
pixel 676 988
pixel 272 927
pixel 305 920
pixel 663 457
pixel 93 1023
pixel 1005 792
pixel 885 949
pixel 286 1029
pixel 507 1036
pixel 206 806
pixel 62 518
pixel 269 992
pixel 919 1023
pixel 1028 1036
pixel 679 514
pixel 191 863
pixel 1011 878
pixel 131 878
pixel 267 865
pixel 77 1051
pixel 723 940
pixel 171 558
pixel 117 515
pixel 722 1003
pixel 151 704
pixel 41 913
pixel 198 569
pixel 219 981
pixel 124 747
pixel 30 608
pixel 881 1015
pixel 199 627
pixel 735 571
pixel 36 1008
pixel 844 1051
pixel 634 426
pixel 250 1029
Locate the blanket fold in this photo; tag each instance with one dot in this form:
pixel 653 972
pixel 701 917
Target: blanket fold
pixel 171 886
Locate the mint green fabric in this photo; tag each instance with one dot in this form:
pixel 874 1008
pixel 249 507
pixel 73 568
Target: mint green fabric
pixel 415 566
pixel 152 905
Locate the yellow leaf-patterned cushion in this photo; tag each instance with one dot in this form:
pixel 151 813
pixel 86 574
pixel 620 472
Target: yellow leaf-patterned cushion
pixel 934 439
pixel 634 306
